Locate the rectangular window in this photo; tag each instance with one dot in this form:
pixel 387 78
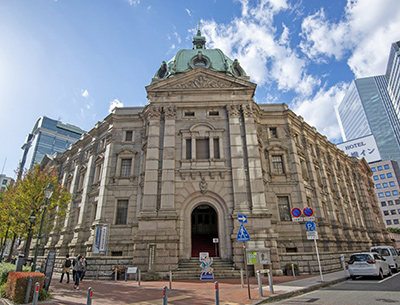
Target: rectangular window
pixel 381 195
pixel 387 194
pixel 388 222
pixel 189 114
pixel 4 182
pixel 383 203
pixel 396 221
pixel 128 135
pixel 188 149
pixel 391 183
pixel 373 169
pixel 382 176
pixel 284 209
pixel 386 213
pixel 393 212
pixel 397 201
pixel 395 193
pixel 213 113
pixel 202 149
pixel 385 184
pixel 277 164
pixel 378 186
pixel 216 149
pixel 122 212
pixel 126 165
pixel 389 175
pixel 380 168
pixel 376 178
pixel 390 202
pixel 386 166
pixel 273 132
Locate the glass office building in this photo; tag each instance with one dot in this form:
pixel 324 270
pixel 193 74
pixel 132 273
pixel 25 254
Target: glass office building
pixel 48 136
pixel 393 76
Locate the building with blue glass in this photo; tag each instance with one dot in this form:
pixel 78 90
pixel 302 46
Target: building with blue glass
pixel 48 136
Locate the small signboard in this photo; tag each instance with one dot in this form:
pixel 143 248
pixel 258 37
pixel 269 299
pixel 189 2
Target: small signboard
pixel 207 272
pixel 243 235
pixel 298 219
pixel 50 260
pixel 131 270
pixel 310 226
pixel 263 257
pixel 251 257
pixel 312 235
pixel 311 218
pixel 242 218
pixel 203 256
pixel 258 256
pixel 215 240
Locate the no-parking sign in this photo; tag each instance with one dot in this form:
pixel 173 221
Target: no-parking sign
pixel 308 212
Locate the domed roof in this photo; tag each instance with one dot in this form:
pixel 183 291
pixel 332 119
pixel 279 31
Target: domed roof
pixel 212 59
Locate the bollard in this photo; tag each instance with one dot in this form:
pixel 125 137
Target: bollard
pixel 165 296
pixel 97 273
pixel 241 278
pixel 126 276
pixel 294 275
pixel 89 296
pixel 216 293
pixel 28 290
pixel 36 294
pixel 271 284
pixel 116 274
pixel 170 279
pixel 260 291
pixel 344 264
pixel 139 277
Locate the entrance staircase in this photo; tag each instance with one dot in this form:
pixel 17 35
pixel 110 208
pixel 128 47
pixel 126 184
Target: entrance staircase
pixel 190 269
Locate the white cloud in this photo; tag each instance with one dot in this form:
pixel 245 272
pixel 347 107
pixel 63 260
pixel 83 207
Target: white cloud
pixel 319 111
pixel 115 104
pixel 134 2
pixel 85 93
pixel 188 11
pixel 367 29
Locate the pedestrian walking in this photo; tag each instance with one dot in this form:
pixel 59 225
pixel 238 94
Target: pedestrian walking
pixel 78 268
pixel 84 263
pixel 66 266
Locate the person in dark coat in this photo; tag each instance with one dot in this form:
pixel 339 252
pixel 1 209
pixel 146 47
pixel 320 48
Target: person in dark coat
pixel 78 268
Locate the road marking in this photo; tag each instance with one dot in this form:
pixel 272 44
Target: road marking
pixel 159 301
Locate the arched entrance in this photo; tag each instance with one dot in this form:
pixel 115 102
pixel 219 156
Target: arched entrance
pixel 204 228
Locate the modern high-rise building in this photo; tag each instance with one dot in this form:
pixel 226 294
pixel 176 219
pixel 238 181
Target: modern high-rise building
pixel 48 136
pixel 4 181
pixel 393 76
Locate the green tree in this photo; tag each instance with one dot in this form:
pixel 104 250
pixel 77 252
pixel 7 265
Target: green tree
pixel 394 230
pixel 26 197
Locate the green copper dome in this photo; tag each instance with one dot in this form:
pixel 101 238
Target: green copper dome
pixel 212 59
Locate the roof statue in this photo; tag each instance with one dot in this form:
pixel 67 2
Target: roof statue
pixel 199 56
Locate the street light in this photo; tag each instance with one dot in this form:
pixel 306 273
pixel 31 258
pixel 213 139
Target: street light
pixel 32 220
pixel 48 191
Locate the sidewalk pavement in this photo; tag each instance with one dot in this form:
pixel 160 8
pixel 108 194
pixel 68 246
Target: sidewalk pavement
pixel 195 292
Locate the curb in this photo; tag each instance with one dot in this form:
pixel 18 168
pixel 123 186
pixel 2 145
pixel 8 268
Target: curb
pixel 294 293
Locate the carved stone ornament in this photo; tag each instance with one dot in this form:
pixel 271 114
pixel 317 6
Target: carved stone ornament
pixel 202 81
pixel 203 185
pixel 170 111
pixel 247 110
pixel 154 112
pixel 233 110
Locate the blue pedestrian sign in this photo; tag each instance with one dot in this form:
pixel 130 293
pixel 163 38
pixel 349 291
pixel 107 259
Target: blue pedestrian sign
pixel 310 226
pixel 242 218
pixel 243 235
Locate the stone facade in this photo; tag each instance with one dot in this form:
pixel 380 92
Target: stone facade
pixel 198 155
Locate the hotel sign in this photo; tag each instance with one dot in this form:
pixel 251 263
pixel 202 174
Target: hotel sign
pixel 364 147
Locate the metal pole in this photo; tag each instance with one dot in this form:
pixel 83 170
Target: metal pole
pixel 260 291
pixel 28 289
pixel 89 296
pixel 216 293
pixel 115 274
pixel 165 296
pixel 344 264
pixel 170 279
pixel 247 271
pixel 241 278
pixel 36 294
pixel 139 277
pixel 270 281
pixel 319 262
pixel 294 275
pixel 39 237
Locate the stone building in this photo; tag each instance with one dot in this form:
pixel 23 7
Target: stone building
pixel 156 184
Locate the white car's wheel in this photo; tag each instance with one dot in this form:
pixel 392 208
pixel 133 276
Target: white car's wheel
pixel 390 273
pixel 381 276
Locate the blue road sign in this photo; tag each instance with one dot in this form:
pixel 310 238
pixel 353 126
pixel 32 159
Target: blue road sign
pixel 310 226
pixel 243 235
pixel 308 211
pixel 242 218
pixel 296 212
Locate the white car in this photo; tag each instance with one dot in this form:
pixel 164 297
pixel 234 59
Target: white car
pixel 368 264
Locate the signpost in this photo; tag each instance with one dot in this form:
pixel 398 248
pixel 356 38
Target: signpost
pixel 243 235
pixel 216 241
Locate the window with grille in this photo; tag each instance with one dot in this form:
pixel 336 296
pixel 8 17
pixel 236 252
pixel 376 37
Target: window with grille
pixel 126 165
pixel 277 164
pixel 202 149
pixel 284 209
pixel 273 132
pixel 122 212
pixel 128 135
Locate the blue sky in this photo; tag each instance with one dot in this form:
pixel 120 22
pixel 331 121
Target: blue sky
pixel 74 59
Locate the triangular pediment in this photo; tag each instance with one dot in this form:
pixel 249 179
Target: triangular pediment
pixel 199 79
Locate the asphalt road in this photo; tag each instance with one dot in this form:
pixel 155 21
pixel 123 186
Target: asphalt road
pixel 363 291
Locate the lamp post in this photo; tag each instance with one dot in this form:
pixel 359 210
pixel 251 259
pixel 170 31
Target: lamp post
pixel 32 220
pixel 48 191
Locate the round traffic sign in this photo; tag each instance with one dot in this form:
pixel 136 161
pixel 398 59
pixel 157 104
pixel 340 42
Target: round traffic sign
pixel 296 212
pixel 310 226
pixel 308 211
